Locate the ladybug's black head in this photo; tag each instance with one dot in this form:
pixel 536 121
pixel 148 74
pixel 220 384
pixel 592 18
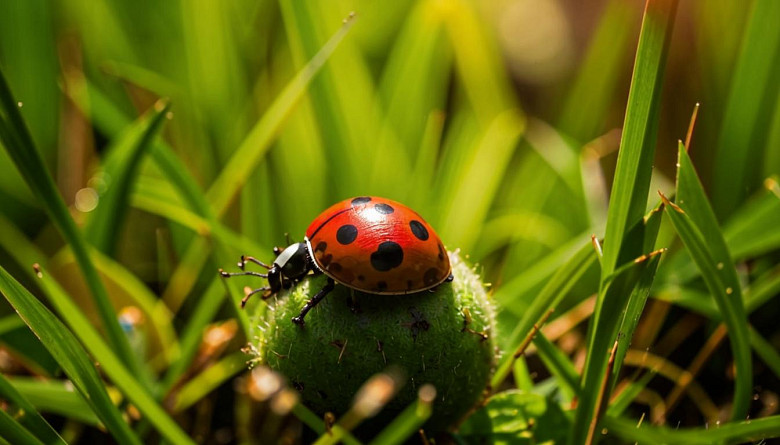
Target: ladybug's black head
pixel 290 265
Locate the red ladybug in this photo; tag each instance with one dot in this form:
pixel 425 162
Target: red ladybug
pixel 367 243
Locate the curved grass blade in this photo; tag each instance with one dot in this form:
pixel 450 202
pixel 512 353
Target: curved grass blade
pixel 55 397
pixel 624 240
pixel 69 354
pixel 208 380
pixel 27 416
pixel 121 167
pixel 410 420
pixel 111 365
pixel 19 145
pixel 695 222
pixel 753 431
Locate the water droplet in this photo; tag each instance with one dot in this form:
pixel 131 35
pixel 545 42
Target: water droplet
pixel 720 266
pixel 604 431
pixel 678 165
pixel 20 104
pixel 86 200
pixel 729 291
pixel 169 115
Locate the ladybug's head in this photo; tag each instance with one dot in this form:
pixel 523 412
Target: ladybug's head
pixel 290 265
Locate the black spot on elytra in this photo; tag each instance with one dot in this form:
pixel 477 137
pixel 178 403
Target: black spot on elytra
pixel 381 285
pixel 361 278
pixel 387 256
pixel 441 252
pixel 384 208
pixel 334 267
pixel 431 276
pixel 321 246
pixel 361 200
pixel 346 234
pixel 409 284
pixel 419 230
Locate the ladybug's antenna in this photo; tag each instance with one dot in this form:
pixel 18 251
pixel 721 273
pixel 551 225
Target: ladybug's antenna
pixel 287 238
pixel 251 259
pixel 244 273
pixel 252 292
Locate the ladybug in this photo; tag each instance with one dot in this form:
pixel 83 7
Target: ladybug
pixel 369 244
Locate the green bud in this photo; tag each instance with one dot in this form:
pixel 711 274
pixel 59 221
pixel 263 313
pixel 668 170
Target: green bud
pixel 443 337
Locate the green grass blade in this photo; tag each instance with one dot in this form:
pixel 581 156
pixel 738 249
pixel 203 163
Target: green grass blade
pixel 753 430
pixel 56 397
pixel 69 354
pixel 207 381
pixel 13 432
pixel 121 166
pixel 623 241
pixel 409 421
pixel 558 364
pixel 749 109
pixel 695 222
pixel 551 295
pixel 244 160
pixel 120 375
pixel 766 351
pixel 586 107
pixel 17 141
pixel 26 414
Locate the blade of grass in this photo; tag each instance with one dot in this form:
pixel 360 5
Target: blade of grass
pixel 551 295
pixel 26 414
pixel 765 350
pixel 208 380
pixel 244 160
pixel 753 430
pixel 56 397
pixel 752 98
pixel 628 202
pixel 111 365
pixel 64 347
pixel 19 145
pixel 13 432
pixel 695 222
pixel 409 421
pixel 122 165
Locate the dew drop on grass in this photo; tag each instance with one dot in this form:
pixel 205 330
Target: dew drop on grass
pixel 86 200
pixel 20 104
pixel 729 291
pixel 720 266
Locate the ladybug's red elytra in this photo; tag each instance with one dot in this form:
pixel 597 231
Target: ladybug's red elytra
pixel 367 243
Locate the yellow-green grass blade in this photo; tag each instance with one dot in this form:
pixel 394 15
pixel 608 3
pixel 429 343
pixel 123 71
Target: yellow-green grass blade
pixel 417 67
pixel 550 296
pixel 406 424
pixel 120 375
pixel 752 98
pixel 251 151
pixel 695 222
pixel 559 365
pixel 753 431
pixel 121 167
pixel 585 111
pixel 56 397
pixel 207 381
pixel 624 238
pixel 19 145
pixel 69 354
pixel 26 414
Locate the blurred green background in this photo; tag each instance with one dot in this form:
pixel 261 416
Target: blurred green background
pixel 499 122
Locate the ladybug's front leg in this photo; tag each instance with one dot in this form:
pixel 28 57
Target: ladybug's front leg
pixel 313 302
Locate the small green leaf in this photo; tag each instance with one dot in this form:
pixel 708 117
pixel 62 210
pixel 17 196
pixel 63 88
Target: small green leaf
pixel 517 417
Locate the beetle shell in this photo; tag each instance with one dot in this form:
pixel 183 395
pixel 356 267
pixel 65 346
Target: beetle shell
pixel 378 246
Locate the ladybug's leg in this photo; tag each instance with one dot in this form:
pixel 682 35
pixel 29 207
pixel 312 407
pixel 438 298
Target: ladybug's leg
pixel 313 302
pixel 449 278
pixel 244 273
